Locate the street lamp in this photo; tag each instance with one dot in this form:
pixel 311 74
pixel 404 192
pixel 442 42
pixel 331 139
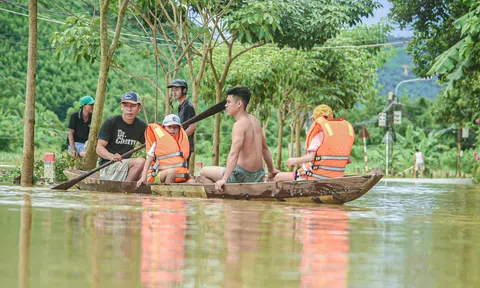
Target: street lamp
pixel 394 98
pixel 410 80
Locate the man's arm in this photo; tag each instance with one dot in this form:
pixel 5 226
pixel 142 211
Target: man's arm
pixel 300 160
pixel 238 135
pixel 190 113
pixel 71 131
pixel 102 143
pixel 71 142
pixel 267 157
pixel 191 129
pixel 103 152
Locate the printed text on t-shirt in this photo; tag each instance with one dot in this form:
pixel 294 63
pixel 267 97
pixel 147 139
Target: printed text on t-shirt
pixel 121 139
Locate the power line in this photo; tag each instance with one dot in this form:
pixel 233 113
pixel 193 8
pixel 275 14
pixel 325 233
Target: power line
pixel 25 7
pixel 374 118
pixel 26 15
pixel 263 47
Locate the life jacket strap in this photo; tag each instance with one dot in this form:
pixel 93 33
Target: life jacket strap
pixel 169 156
pixel 311 174
pixel 163 167
pixel 306 171
pixel 186 175
pixel 152 174
pixel 181 175
pixel 330 168
pixel 318 158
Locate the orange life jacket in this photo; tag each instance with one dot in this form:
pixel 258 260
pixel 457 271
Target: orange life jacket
pixel 332 156
pixel 170 152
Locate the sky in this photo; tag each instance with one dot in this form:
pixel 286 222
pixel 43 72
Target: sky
pixel 382 12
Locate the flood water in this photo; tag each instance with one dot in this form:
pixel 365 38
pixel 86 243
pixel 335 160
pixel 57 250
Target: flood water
pixel 397 235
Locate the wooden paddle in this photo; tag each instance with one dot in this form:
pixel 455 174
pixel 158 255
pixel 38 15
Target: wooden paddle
pixel 207 113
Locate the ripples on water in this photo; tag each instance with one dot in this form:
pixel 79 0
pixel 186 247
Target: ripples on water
pixel 396 235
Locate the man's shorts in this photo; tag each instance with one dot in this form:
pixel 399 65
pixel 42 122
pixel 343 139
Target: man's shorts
pixel 80 147
pixel 116 171
pixel 241 175
pixel 419 166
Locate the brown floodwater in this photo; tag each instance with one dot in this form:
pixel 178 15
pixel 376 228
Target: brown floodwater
pixel 397 235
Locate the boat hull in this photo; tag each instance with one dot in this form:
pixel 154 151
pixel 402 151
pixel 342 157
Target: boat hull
pixel 328 191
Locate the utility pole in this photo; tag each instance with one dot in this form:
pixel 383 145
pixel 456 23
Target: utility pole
pixel 391 130
pixel 459 152
pixel 364 135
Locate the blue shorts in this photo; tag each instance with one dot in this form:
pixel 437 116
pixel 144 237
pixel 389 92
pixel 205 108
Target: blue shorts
pixel 79 146
pixel 240 175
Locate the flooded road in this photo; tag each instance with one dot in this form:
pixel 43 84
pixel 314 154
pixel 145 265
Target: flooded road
pixel 397 235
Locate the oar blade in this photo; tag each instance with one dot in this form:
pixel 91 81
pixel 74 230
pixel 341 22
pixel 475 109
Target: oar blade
pixel 68 184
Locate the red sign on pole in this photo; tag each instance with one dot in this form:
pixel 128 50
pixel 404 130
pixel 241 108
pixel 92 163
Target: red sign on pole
pixel 364 133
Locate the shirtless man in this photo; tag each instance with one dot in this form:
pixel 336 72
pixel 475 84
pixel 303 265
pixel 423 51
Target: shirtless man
pixel 248 150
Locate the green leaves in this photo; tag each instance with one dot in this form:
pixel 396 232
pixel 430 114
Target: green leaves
pixel 306 23
pixel 254 21
pixel 79 38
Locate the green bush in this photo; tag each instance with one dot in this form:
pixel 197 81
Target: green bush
pixel 63 161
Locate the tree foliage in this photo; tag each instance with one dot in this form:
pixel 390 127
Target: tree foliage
pixel 306 23
pixel 446 43
pixel 433 24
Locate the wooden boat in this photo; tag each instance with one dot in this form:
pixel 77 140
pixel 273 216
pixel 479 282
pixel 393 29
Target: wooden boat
pixel 328 191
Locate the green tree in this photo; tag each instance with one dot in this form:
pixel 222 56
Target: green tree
pixel 434 30
pixel 83 41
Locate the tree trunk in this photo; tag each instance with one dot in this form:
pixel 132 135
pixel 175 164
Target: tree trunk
pixel 168 99
pixel 91 155
pixel 29 116
pixel 459 152
pixel 291 146
pixel 265 126
pixel 216 133
pixel 195 79
pixel 105 61
pixel 195 87
pixel 298 130
pixel 278 161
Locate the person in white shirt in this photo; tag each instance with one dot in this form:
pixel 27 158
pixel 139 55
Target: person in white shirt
pixel 419 163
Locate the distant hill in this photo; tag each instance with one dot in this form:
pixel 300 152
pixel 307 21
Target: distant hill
pixel 394 72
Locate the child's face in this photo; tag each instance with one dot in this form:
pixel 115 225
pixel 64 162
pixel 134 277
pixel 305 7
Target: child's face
pixel 173 129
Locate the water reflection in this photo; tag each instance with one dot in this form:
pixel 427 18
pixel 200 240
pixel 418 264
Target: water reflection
pixel 24 243
pixel 398 235
pixel 229 244
pixel 325 248
pixel 163 242
pixel 114 229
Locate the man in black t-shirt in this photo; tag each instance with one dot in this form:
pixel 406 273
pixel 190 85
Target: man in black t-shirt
pixel 118 135
pixel 79 127
pixel 185 109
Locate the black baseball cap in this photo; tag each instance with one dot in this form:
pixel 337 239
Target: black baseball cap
pixel 178 83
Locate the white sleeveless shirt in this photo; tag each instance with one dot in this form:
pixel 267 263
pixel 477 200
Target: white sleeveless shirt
pixel 418 157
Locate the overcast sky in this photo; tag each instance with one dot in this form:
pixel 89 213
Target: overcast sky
pixel 383 13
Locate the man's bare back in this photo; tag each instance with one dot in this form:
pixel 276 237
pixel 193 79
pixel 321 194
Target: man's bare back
pixel 248 150
pixel 250 157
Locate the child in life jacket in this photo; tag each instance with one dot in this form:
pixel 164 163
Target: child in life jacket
pixel 167 152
